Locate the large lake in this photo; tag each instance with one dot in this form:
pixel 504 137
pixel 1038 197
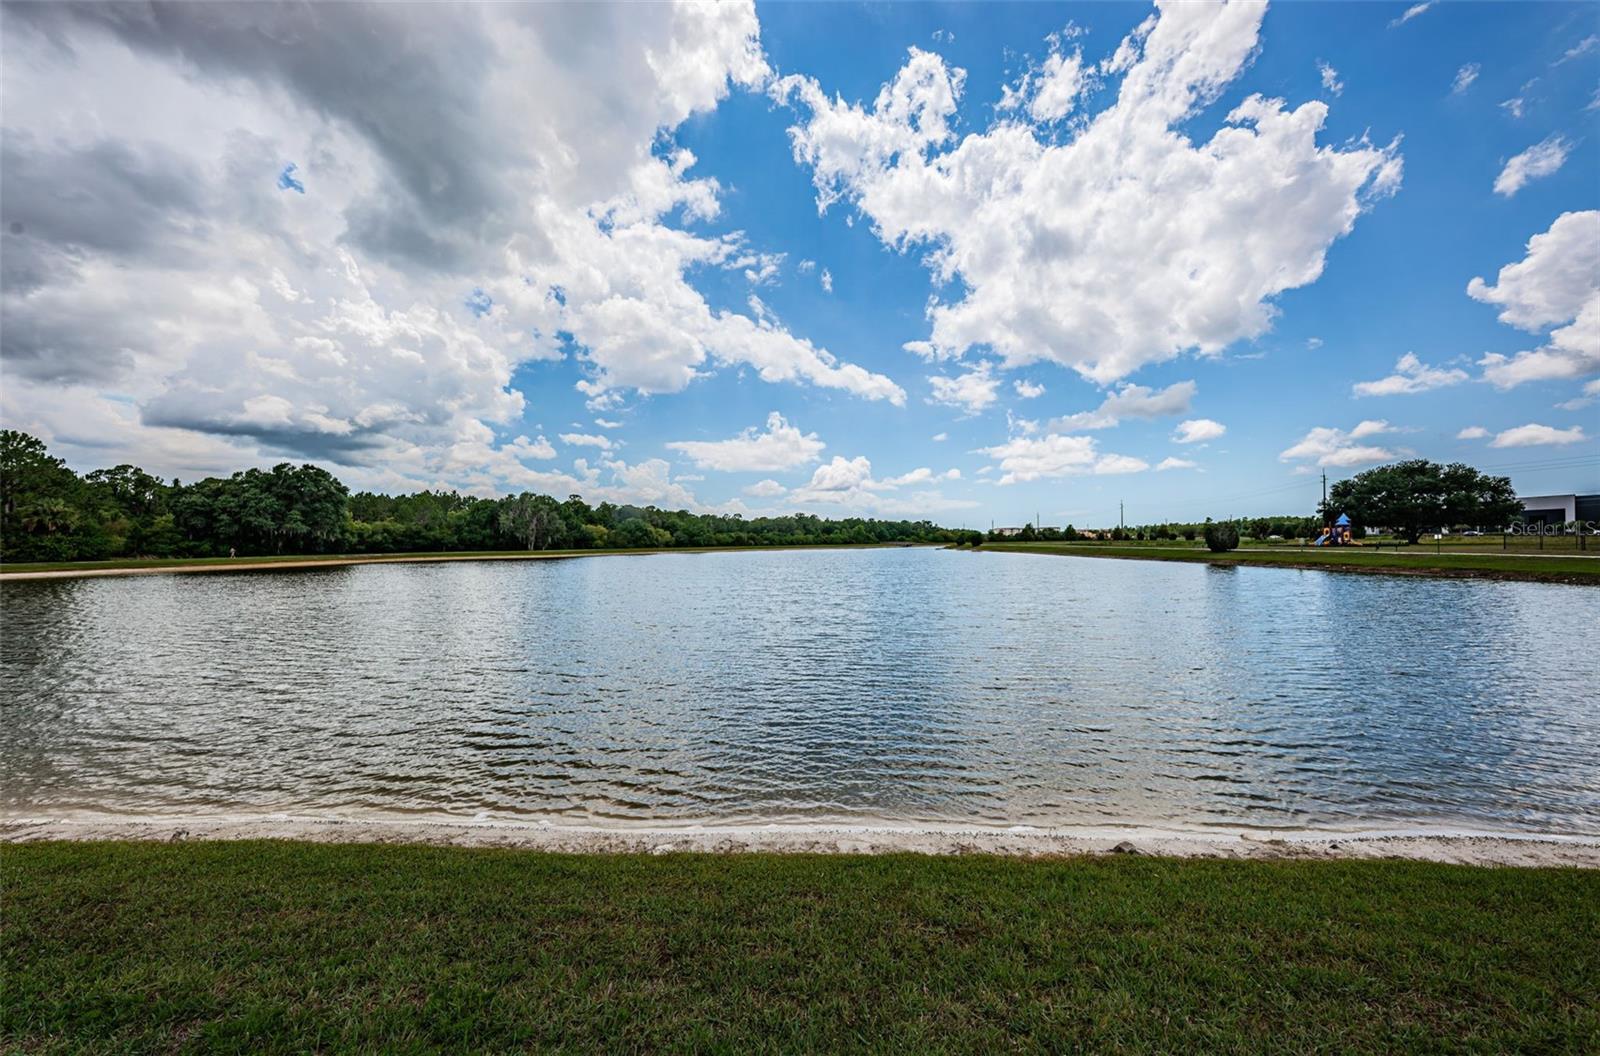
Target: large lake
pixel 864 686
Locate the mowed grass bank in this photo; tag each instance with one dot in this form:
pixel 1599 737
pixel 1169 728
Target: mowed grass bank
pixel 1416 560
pixel 289 947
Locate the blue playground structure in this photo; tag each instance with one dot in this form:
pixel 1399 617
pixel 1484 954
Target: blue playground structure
pixel 1336 534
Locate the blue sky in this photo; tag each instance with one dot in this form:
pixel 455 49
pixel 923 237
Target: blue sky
pixel 1065 240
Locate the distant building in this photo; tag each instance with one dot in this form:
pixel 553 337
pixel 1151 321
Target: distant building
pixel 1003 532
pixel 1559 509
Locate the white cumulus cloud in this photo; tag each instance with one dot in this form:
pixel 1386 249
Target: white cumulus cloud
pixel 1410 375
pixel 1557 282
pixel 1198 430
pixel 1123 245
pixel 1542 159
pixel 524 448
pixel 1325 446
pixel 1472 432
pixel 1583 47
pixel 1049 91
pixel 1026 458
pixel 1131 401
pixel 446 223
pixel 604 443
pixel 782 446
pixel 1411 12
pixel 971 392
pixel 848 484
pixel 1330 78
pixel 1538 436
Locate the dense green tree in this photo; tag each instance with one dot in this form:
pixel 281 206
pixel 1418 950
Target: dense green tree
pixel 636 533
pixel 1418 496
pixel 534 521
pixel 39 500
pixel 1221 536
pixel 127 489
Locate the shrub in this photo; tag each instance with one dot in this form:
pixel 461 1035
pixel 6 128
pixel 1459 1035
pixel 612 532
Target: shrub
pixel 1220 537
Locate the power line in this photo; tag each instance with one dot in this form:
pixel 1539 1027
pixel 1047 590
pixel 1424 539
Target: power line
pixel 1570 462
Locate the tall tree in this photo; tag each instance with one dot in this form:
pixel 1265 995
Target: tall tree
pixel 533 520
pixel 39 499
pixel 1418 496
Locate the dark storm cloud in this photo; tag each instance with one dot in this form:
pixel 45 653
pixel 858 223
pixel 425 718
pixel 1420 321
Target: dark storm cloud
pixel 60 204
pixel 26 264
pixel 56 340
pixel 353 448
pixel 394 230
pixel 407 78
pixel 220 407
pixel 63 206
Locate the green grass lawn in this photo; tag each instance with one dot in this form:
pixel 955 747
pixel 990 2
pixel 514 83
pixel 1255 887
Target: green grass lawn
pixel 287 947
pixel 1511 565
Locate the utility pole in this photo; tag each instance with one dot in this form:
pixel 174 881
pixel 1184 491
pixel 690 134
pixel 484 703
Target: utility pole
pixel 1324 488
pixel 1121 521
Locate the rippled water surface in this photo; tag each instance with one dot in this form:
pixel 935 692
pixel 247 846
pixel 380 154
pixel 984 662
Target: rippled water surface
pixel 892 685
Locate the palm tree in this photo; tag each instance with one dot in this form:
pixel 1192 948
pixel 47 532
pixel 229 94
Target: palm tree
pixel 47 516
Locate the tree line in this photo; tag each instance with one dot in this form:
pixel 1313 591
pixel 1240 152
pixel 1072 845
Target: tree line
pixel 1405 499
pixel 50 513
pixel 1284 526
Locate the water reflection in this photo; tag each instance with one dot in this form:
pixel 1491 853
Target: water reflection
pixel 902 685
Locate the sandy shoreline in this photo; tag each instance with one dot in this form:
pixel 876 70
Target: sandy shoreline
pixel 245 564
pixel 1021 841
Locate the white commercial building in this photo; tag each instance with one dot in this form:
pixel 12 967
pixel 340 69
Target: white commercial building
pixel 1560 509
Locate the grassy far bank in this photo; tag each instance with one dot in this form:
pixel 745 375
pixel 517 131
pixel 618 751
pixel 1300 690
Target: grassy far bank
pixel 1551 567
pixel 204 563
pixel 1528 544
pixel 285 947
pixel 1360 559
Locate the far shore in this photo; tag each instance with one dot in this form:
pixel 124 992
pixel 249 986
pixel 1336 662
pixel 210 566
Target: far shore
pixel 1416 561
pixel 1453 847
pixel 152 566
pixel 1413 561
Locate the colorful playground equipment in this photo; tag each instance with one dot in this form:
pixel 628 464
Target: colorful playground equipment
pixel 1336 534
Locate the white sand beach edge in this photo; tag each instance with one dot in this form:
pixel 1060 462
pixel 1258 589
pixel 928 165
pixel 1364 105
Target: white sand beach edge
pixel 1021 841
